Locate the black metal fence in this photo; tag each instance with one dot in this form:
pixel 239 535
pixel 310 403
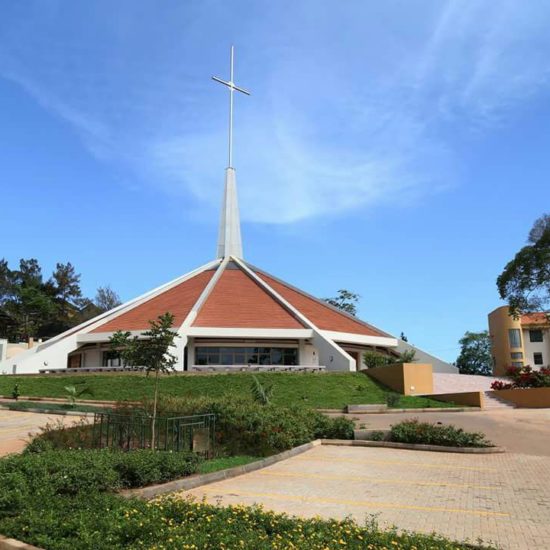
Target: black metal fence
pixel 180 433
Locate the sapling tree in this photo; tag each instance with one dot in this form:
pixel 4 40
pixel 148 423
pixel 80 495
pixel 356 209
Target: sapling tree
pixel 151 352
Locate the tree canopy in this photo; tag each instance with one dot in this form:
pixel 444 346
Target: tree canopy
pixel 345 300
pixel 31 305
pixel 475 354
pixel 525 281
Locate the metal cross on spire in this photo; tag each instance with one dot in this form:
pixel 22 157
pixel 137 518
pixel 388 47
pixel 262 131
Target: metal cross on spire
pixel 232 88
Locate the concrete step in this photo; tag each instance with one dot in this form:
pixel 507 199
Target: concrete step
pixel 491 401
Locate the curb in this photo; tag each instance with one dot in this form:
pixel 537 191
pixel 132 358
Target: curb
pixel 92 402
pixel 425 410
pixel 395 411
pixel 413 446
pixel 46 411
pixel 185 484
pixel 12 544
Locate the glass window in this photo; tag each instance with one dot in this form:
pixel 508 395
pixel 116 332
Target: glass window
pixel 537 358
pixel 290 356
pixel 245 356
pixel 276 356
pixel 514 336
pixel 517 363
pixel 251 356
pixel 516 355
pixel 535 335
pixel 111 359
pixel 239 355
pixel 213 356
pixel 201 358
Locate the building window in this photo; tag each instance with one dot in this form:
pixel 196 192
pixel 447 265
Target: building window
pixel 537 358
pixel 535 335
pixel 111 359
pixel 514 337
pixel 516 355
pixel 517 363
pixel 246 356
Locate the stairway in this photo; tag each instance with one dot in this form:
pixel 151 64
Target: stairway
pixel 492 402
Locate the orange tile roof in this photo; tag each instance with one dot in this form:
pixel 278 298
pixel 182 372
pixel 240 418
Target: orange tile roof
pixel 539 318
pixel 323 316
pixel 239 302
pixel 178 300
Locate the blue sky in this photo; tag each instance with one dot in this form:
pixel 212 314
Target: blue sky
pixel 396 149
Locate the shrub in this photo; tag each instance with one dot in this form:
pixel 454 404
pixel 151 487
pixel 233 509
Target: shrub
pixel 526 377
pixel 246 427
pixel 414 431
pixel 47 474
pixel 373 359
pixel 15 393
pixel 499 385
pixel 376 435
pixel 100 521
pixel 59 435
pixel 392 399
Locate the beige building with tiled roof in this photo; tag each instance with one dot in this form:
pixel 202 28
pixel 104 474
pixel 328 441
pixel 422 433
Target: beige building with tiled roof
pixel 519 341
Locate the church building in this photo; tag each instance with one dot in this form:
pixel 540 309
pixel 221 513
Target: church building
pixel 228 315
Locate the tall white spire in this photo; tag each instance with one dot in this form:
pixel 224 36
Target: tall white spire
pixel 229 236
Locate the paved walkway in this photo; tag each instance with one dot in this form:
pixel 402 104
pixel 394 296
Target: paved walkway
pixel 453 383
pixel 525 431
pixel 16 426
pixel 504 498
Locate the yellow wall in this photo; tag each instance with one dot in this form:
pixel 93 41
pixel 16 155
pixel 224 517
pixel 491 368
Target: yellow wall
pixel 470 398
pixel 405 378
pixel 499 324
pixel 534 398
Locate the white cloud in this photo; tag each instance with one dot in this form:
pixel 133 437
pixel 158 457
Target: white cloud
pixel 338 119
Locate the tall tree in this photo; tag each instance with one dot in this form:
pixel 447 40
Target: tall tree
pixel 346 301
pixel 106 298
pixel 65 283
pixel 475 354
pixel 151 351
pixel 525 281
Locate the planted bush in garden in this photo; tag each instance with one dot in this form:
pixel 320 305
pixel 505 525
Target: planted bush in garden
pixel 524 377
pixel 414 431
pixel 246 427
pixel 43 475
pixel 100 521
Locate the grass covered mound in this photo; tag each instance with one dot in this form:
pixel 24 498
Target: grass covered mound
pixel 326 390
pixel 414 431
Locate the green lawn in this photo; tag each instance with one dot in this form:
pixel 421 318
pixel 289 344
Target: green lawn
pixel 328 390
pixel 225 462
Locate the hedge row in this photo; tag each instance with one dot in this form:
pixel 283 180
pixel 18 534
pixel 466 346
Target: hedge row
pixel 414 431
pixel 39 477
pixel 100 521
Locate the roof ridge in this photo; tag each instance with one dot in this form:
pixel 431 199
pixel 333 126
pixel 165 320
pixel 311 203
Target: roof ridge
pixel 319 300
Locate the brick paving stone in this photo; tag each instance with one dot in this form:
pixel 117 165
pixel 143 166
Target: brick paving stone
pixel 503 499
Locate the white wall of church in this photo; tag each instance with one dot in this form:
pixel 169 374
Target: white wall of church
pixel 332 356
pixel 309 355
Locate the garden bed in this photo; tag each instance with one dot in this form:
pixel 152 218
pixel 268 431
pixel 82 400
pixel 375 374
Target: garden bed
pixel 413 434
